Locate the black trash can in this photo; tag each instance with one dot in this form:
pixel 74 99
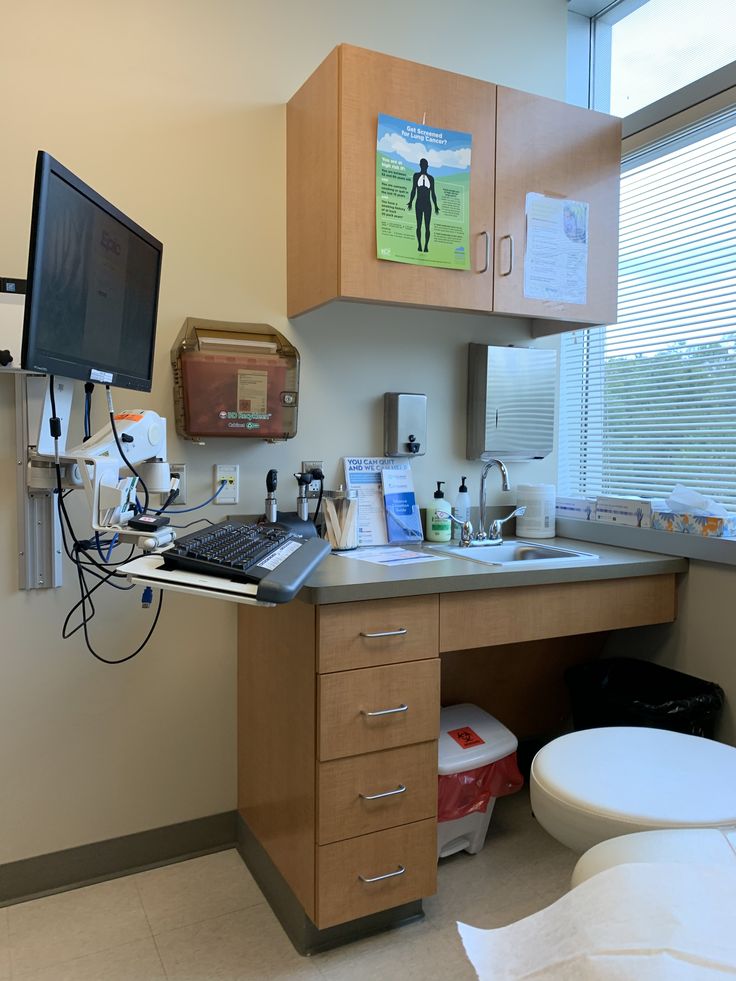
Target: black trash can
pixel 624 691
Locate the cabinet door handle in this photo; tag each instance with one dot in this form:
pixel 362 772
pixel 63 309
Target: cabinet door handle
pixel 401 789
pixel 488 252
pixel 386 875
pixel 511 254
pixel 385 633
pixel 393 711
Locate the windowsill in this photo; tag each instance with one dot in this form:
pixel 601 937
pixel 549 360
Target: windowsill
pixel 719 550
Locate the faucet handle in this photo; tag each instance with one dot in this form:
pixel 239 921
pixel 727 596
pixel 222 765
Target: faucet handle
pixel 467 529
pixel 499 522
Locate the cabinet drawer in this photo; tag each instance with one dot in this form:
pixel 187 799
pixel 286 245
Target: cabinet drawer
pixel 343 895
pixel 378 708
pixel 362 794
pixel 372 632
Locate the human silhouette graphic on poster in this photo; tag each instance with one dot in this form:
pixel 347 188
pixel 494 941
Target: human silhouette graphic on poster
pixel 422 194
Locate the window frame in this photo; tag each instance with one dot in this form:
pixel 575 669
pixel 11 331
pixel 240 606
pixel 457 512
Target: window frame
pixel 696 101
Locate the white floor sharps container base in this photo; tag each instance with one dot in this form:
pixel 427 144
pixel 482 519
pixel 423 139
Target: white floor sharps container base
pixel 595 784
pixel 469 739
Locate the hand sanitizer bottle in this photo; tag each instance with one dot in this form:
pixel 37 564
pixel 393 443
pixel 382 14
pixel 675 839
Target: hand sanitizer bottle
pixel 461 509
pixel 438 521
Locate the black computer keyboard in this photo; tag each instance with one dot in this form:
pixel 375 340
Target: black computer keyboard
pixel 267 554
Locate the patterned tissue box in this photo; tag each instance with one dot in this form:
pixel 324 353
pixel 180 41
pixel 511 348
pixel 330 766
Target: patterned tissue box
pixel 695 524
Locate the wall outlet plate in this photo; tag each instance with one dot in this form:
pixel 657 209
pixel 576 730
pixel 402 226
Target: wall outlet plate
pixel 230 473
pixel 313 489
pixel 181 469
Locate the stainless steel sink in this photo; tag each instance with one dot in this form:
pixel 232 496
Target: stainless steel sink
pixel 518 554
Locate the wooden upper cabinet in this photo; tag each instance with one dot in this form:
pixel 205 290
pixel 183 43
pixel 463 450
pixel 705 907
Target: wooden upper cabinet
pixel 331 181
pixel 561 151
pixel 521 143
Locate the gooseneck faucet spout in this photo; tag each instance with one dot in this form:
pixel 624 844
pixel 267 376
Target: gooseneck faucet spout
pixel 505 485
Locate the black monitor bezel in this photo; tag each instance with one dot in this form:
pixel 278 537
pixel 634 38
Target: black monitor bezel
pixel 31 359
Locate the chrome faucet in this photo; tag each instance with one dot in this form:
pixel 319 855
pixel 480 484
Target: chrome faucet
pixel 505 485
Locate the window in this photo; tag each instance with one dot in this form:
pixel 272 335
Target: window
pixel 651 401
pixel 645 51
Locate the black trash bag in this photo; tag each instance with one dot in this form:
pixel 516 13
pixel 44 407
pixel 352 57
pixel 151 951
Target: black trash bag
pixel 624 691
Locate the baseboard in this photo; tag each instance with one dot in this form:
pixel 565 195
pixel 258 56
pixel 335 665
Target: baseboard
pixel 304 935
pixel 85 864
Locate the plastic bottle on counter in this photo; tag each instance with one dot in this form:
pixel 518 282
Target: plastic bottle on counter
pixel 539 520
pixel 439 526
pixel 461 508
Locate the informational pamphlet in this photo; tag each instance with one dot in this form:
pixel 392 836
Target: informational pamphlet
pixel 422 194
pixel 403 521
pixel 390 555
pixel 363 473
pixel 556 257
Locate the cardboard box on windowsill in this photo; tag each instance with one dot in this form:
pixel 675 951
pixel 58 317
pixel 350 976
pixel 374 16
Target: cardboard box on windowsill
pixel 634 512
pixel 704 525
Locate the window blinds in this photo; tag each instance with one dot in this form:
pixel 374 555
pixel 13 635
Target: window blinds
pixel 651 401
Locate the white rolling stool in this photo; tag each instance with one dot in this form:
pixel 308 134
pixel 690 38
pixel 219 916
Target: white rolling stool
pixel 596 784
pixel 704 846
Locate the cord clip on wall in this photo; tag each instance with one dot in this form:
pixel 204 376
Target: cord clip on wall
pixel 234 379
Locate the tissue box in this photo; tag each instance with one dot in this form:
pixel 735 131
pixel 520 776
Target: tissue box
pixel 635 512
pixel 575 507
pixel 695 524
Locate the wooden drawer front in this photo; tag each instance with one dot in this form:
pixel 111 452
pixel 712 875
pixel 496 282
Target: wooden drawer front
pixel 372 632
pixel 342 895
pixel 351 800
pixel 345 697
pixel 510 616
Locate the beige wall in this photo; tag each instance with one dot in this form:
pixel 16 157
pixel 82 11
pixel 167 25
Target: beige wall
pixel 174 110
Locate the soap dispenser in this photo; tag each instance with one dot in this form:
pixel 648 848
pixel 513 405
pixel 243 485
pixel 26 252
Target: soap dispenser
pixel 439 526
pixel 461 509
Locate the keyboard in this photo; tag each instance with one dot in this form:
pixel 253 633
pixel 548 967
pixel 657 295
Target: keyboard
pixel 277 559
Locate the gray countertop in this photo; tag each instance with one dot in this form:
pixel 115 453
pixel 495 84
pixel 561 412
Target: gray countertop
pixel 342 579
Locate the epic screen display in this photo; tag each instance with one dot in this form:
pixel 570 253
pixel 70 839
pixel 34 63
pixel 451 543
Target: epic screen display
pixel 93 285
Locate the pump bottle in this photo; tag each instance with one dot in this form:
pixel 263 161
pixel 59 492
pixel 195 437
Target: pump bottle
pixel 438 520
pixel 461 509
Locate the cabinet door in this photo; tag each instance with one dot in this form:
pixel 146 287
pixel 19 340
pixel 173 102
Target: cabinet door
pixel 371 84
pixel 561 151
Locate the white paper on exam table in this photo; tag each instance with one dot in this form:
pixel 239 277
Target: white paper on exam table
pixel 636 922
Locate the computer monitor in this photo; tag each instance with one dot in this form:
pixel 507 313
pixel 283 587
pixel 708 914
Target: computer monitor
pixel 93 282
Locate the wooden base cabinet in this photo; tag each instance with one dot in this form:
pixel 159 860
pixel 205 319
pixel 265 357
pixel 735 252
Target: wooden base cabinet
pixel 521 143
pixel 338 767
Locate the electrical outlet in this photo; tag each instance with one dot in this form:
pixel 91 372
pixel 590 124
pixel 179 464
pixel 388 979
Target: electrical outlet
pixel 313 489
pixel 230 473
pixel 181 469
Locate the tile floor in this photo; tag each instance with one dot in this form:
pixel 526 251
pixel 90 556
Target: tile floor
pixel 206 920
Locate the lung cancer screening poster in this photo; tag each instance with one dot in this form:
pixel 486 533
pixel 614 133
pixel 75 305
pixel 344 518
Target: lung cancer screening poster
pixel 422 194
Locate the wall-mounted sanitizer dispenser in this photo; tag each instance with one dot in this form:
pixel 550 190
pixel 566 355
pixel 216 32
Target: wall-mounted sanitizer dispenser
pixel 511 402
pixel 404 424
pixel 234 379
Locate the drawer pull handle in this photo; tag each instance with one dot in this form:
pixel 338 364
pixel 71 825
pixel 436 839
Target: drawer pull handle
pixel 386 633
pixel 372 715
pixel 386 875
pixel 401 789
